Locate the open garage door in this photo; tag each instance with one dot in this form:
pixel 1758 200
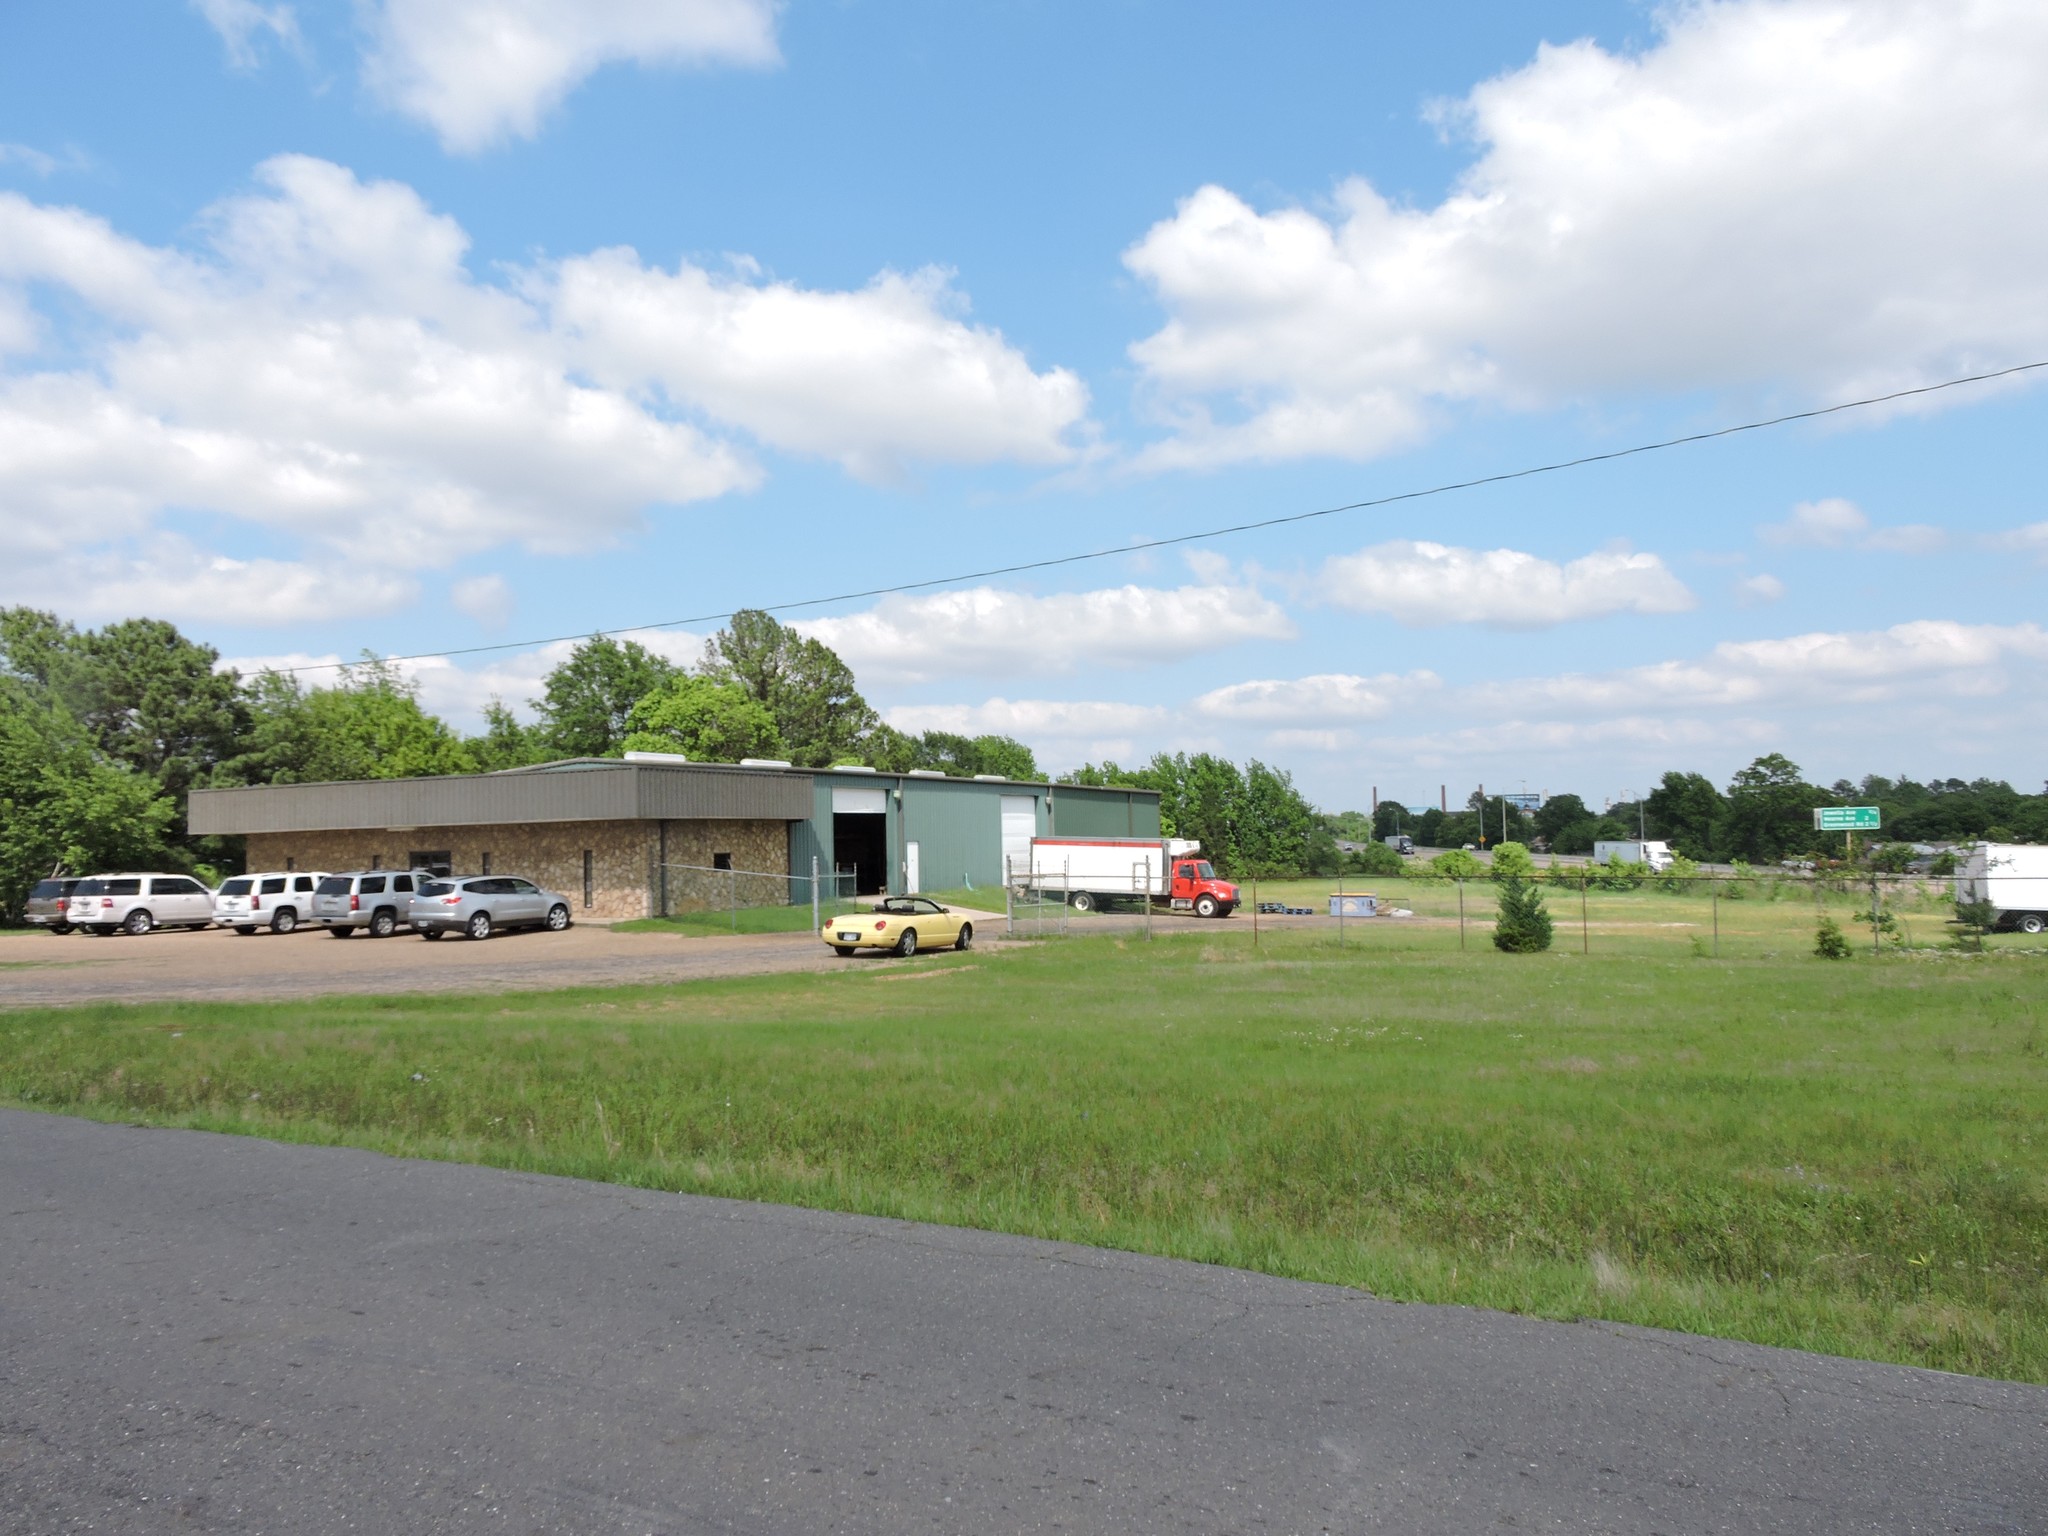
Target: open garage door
pixel 860 837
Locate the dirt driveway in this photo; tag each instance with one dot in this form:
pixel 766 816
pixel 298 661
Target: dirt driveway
pixel 41 970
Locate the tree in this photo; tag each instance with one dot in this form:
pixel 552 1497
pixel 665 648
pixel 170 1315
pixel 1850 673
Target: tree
pixel 966 756
pixel 1686 810
pixel 1769 810
pixel 1456 864
pixel 1523 926
pixel 505 742
pixel 64 806
pixel 1511 861
pixel 586 699
pixel 1272 823
pixel 803 683
pixel 1557 813
pixel 1377 859
pixel 703 720
pixel 368 725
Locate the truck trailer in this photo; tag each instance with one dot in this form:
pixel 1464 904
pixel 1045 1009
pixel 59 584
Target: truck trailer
pixel 1634 851
pixel 1091 872
pixel 2013 877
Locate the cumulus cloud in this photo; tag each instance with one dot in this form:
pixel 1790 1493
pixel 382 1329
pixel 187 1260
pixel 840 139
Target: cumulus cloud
pixel 1753 591
pixel 989 632
pixel 1829 196
pixel 872 379
pixel 327 366
pixel 241 23
pixel 1423 584
pixel 487 599
pixel 1057 730
pixel 1834 523
pixel 481 71
pixel 2032 539
pixel 1324 701
pixel 167 577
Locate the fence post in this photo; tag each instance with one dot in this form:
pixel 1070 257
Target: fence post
pixel 1009 900
pixel 1873 913
pixel 1585 930
pixel 817 916
pixel 1717 918
pixel 1340 907
pixel 732 896
pixel 1461 911
pixel 1066 885
pixel 1255 911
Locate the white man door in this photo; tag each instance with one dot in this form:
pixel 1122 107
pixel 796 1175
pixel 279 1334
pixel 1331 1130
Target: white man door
pixel 1020 825
pixel 911 874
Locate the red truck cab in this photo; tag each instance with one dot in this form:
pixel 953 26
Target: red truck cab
pixel 1196 889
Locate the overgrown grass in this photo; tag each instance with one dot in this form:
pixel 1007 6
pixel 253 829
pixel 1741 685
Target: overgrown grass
pixel 1849 1157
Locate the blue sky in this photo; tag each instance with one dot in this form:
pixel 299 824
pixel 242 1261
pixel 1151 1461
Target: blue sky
pixel 430 324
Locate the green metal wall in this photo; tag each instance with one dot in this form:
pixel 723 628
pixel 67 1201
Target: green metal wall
pixel 1081 812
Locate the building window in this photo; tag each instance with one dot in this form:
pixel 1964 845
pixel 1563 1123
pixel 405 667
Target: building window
pixel 588 877
pixel 487 864
pixel 376 861
pixel 435 861
pixel 291 864
pixel 721 861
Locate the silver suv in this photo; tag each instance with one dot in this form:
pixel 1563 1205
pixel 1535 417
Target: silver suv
pixel 48 905
pixel 479 905
pixel 104 904
pixel 375 899
pixel 278 901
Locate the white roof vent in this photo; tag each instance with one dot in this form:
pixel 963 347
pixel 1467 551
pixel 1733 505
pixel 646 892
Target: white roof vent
pixel 764 762
pixel 926 773
pixel 656 757
pixel 851 768
pixel 992 778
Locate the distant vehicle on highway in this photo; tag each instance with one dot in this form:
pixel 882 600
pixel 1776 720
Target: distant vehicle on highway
pixel 900 924
pixel 1653 853
pixel 47 905
pixel 371 899
pixel 479 905
pixel 106 904
pixel 1401 842
pixel 278 900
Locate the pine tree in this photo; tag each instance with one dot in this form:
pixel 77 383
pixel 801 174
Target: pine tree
pixel 1524 924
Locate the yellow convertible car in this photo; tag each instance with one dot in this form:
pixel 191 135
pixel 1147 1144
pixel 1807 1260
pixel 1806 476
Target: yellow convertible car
pixel 900 924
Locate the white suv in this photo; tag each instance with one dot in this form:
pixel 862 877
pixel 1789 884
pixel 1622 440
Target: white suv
pixel 104 904
pixel 278 900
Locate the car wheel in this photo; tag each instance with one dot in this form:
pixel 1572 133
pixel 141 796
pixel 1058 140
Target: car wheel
pixel 430 934
pixel 139 922
pixel 243 933
pixel 285 920
pixel 341 933
pixel 906 943
pixel 480 926
pixel 558 918
pixel 1082 901
pixel 383 924
pixel 843 951
pixel 60 928
pixel 966 939
pixel 2033 922
pixel 1205 906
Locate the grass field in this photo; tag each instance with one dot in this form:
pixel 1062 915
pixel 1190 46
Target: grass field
pixel 1850 1157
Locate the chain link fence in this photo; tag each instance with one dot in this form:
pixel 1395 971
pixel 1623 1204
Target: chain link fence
pixel 716 899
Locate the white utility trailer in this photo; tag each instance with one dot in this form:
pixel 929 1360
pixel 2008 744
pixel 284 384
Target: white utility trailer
pixel 2013 877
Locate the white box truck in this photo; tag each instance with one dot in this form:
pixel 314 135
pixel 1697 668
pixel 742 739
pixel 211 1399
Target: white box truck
pixel 1653 853
pixel 2013 877
pixel 1091 872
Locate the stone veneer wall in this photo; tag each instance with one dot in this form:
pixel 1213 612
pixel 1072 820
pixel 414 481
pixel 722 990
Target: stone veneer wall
pixel 550 853
pixel 761 846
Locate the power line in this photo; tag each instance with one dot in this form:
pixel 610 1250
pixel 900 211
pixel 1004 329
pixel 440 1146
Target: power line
pixel 1223 532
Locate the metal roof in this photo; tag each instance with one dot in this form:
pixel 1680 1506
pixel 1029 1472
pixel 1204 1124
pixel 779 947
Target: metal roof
pixel 579 789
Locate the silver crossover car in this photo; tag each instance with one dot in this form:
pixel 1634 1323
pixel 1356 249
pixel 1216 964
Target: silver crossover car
pixel 479 905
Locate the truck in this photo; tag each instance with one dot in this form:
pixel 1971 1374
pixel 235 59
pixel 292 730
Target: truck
pixel 1634 851
pixel 2013 877
pixel 1092 872
pixel 1400 842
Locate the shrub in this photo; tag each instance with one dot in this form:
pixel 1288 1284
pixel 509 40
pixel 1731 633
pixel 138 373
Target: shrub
pixel 1511 861
pixel 1829 942
pixel 1619 875
pixel 1680 877
pixel 1523 927
pixel 1378 859
pixel 1455 864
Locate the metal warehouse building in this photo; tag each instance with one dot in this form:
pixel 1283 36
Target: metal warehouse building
pixel 633 838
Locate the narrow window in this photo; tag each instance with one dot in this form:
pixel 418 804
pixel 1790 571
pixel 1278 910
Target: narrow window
pixel 487 864
pixel 587 877
pixel 377 861
pixel 721 861
pixel 290 865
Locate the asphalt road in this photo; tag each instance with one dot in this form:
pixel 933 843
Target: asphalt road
pixel 204 1333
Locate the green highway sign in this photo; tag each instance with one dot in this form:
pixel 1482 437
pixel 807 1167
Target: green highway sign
pixel 1845 818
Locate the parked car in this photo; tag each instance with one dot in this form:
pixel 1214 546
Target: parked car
pixel 900 924
pixel 479 905
pixel 372 899
pixel 278 900
pixel 48 905
pixel 104 904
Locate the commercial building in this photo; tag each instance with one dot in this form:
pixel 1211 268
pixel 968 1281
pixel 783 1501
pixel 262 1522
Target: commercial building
pixel 637 838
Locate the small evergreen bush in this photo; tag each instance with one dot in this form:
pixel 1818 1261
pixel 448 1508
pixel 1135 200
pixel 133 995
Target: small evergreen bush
pixel 1829 942
pixel 1523 927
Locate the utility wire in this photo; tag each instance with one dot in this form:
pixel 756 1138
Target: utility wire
pixel 1223 532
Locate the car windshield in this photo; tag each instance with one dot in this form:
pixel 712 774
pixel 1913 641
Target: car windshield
pixel 1205 871
pixel 235 887
pixel 333 885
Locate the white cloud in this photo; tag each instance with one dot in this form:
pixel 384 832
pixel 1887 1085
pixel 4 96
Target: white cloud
pixel 240 22
pixel 487 599
pixel 166 577
pixel 327 367
pixel 870 378
pixel 989 632
pixel 2032 539
pixel 1753 591
pixel 481 71
pixel 1830 196
pixel 1324 701
pixel 1426 584
pixel 1834 523
pixel 1059 731
pixel 1908 539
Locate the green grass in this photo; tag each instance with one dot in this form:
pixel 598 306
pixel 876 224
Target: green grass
pixel 1850 1157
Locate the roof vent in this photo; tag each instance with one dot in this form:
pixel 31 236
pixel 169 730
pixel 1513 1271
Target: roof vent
pixel 764 762
pixel 656 757
pixel 992 778
pixel 926 773
pixel 851 768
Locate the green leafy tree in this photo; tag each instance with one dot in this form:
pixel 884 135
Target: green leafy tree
pixel 966 756
pixel 1377 859
pixel 1556 814
pixel 704 720
pixel 1456 864
pixel 368 725
pixel 585 701
pixel 1273 823
pixel 1686 810
pixel 1523 926
pixel 1769 811
pixel 63 805
pixel 1511 861
pixel 803 683
pixel 505 742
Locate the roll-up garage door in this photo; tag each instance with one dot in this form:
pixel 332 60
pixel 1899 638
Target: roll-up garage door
pixel 1020 825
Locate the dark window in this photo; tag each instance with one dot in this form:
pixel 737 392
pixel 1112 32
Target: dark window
pixel 333 885
pixel 303 883
pixel 589 877
pixel 124 888
pixel 46 890
pixel 721 861
pixel 291 864
pixel 377 862
pixel 402 883
pixel 372 885
pixel 275 886
pixel 236 887
pixel 435 861
pixel 486 865
pixel 436 888
pixel 522 887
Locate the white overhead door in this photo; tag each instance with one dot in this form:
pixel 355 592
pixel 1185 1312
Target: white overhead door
pixel 1020 825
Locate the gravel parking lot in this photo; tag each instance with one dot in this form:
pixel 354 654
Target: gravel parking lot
pixel 41 970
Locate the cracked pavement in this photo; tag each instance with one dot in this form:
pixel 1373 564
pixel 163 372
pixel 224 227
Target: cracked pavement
pixel 212 1333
